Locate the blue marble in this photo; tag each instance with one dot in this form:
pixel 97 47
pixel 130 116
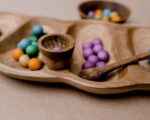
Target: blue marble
pixel 37 30
pixel 106 12
pixel 24 43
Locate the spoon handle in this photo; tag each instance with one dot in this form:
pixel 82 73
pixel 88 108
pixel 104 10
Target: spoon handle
pixel 96 73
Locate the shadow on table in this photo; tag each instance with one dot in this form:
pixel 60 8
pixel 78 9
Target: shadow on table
pixel 65 87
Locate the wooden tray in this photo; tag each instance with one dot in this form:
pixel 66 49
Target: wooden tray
pixel 121 41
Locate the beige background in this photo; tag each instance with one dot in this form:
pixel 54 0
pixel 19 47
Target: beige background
pixel 32 101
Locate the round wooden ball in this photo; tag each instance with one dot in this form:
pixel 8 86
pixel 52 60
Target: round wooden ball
pixel 23 60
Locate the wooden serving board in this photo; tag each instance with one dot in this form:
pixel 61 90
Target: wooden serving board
pixel 122 41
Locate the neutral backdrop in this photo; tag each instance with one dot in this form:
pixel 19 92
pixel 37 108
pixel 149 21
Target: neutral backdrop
pixel 33 101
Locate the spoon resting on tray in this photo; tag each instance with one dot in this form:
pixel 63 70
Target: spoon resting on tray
pixel 98 72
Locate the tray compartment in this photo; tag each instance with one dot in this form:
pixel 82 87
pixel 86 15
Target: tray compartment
pixel 115 42
pixel 141 43
pixel 23 31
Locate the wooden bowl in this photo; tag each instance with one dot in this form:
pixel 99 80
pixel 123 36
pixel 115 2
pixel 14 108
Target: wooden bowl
pixel 87 6
pixel 121 41
pixel 56 60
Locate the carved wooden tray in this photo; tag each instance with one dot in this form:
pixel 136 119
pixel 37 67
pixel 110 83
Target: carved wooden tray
pixel 122 41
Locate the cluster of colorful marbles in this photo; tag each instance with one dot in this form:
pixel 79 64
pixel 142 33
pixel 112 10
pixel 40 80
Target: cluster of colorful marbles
pixel 94 54
pixel 27 51
pixel 104 15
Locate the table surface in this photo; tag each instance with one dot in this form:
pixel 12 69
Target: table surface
pixel 21 100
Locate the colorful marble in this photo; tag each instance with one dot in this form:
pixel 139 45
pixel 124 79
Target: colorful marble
pixel 17 53
pixel 37 30
pixel 24 43
pixel 34 64
pixel 106 13
pixel 23 60
pixel 32 51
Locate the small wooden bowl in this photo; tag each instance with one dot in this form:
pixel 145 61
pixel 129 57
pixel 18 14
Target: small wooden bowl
pixel 56 60
pixel 87 6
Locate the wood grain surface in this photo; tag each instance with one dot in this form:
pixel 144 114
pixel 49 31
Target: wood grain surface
pixel 118 41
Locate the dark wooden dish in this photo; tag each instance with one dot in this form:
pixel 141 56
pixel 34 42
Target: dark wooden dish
pixel 123 10
pixel 122 41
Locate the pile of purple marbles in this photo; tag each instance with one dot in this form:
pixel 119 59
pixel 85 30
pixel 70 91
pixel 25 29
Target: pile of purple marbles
pixel 94 54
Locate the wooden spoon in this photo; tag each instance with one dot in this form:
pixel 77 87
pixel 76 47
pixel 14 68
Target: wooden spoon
pixel 98 72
